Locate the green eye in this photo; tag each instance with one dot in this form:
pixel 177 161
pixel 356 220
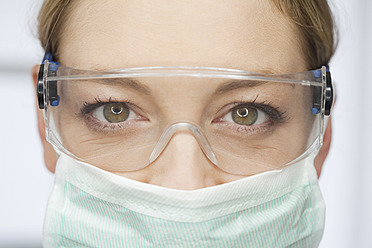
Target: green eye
pixel 244 115
pixel 115 112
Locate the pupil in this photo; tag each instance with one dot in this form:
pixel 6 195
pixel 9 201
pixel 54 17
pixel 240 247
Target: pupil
pixel 245 115
pixel 243 112
pixel 116 110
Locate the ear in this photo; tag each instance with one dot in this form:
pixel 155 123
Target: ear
pixel 323 152
pixel 50 156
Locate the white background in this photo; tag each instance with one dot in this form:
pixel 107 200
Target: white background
pixel 346 181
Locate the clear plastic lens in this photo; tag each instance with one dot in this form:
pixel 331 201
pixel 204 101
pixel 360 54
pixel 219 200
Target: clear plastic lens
pixel 243 125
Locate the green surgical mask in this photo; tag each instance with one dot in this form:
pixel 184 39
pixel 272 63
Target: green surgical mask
pixel 90 207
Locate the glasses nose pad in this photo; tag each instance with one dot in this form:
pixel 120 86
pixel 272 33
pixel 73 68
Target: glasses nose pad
pixel 171 130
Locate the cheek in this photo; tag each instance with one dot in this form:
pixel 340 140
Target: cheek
pixel 302 127
pixel 67 127
pixel 298 133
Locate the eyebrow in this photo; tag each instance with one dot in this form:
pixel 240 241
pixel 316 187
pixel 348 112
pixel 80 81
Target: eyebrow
pixel 142 88
pixel 228 86
pixel 238 84
pixel 233 85
pixel 127 82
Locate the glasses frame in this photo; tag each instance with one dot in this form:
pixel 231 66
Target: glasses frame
pixel 51 72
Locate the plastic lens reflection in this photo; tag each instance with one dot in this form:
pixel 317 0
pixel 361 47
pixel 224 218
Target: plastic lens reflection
pixel 243 126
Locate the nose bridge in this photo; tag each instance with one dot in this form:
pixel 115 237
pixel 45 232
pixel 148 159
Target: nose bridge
pixel 183 127
pixel 179 161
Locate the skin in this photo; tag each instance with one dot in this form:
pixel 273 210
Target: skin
pixel 188 33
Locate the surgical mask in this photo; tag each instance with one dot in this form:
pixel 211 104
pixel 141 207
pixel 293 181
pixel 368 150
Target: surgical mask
pixel 90 207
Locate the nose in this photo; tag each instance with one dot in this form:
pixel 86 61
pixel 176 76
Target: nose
pixel 183 165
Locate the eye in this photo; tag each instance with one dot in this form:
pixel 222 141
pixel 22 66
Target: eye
pixel 113 112
pixel 246 116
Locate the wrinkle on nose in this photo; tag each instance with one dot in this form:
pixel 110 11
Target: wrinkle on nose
pixel 183 165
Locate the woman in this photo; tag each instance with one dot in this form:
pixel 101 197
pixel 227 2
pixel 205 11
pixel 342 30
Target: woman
pixel 185 123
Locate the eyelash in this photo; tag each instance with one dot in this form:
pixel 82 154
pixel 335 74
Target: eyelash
pixel 275 116
pixel 268 107
pixel 88 108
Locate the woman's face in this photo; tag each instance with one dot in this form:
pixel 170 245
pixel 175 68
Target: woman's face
pixel 250 35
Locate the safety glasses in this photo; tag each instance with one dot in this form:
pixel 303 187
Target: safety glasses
pixel 245 123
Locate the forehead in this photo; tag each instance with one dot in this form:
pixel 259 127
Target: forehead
pixel 241 34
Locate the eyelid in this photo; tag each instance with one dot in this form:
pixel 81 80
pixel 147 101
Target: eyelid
pixel 96 125
pixel 272 112
pixel 89 107
pixel 261 119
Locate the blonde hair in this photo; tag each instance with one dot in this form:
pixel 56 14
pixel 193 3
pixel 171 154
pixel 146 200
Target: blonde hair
pixel 313 19
pixel 316 27
pixel 52 15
